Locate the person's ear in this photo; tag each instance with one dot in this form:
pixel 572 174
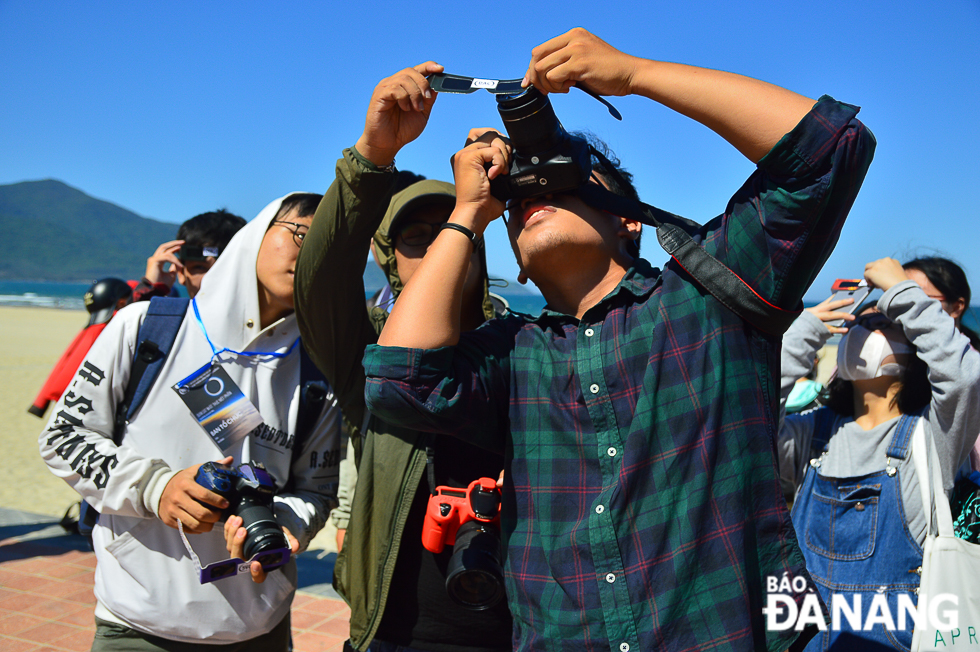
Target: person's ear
pixel 957 308
pixel 522 278
pixel 180 276
pixel 629 229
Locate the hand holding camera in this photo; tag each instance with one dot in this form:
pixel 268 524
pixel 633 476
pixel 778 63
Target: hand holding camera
pixel 235 537
pixel 184 499
pixel 474 169
pixel 397 114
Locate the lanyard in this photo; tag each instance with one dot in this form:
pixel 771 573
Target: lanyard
pixel 215 352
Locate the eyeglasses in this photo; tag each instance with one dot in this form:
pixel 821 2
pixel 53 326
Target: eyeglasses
pixel 299 230
pixel 418 234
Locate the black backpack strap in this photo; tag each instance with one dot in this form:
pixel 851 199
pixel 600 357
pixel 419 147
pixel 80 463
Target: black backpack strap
pixel 675 235
pixel 313 391
pixel 313 394
pixel 153 343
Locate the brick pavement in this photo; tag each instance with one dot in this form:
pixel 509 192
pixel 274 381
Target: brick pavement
pixel 47 604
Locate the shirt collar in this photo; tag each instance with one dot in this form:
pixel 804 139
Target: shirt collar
pixel 639 280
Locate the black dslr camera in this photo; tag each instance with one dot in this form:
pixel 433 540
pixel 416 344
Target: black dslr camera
pixel 546 158
pixel 249 490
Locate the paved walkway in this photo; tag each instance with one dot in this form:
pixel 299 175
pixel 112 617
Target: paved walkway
pixel 46 600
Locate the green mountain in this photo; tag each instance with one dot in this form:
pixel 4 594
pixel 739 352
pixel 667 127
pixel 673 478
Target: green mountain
pixel 53 232
pixel 50 231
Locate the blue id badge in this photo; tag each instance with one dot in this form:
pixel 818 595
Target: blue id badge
pixel 218 405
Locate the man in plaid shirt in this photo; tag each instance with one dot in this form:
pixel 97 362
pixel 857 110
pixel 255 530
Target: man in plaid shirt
pixel 642 508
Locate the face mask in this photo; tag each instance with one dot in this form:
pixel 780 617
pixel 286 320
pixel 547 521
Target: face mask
pixel 864 354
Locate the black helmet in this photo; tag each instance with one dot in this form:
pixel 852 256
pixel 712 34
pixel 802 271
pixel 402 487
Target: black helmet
pixel 102 297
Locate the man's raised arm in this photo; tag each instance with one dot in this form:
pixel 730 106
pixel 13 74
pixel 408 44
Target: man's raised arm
pixel 329 293
pixel 750 114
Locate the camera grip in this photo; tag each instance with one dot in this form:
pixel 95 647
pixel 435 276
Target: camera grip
pixel 437 528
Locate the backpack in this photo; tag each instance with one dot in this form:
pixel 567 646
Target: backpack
pixel 153 343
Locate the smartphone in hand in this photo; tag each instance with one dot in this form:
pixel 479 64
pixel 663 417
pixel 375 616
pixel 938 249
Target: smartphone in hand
pixel 844 288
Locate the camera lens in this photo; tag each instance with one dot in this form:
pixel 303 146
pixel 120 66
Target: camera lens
pixel 475 578
pixel 530 121
pixel 262 533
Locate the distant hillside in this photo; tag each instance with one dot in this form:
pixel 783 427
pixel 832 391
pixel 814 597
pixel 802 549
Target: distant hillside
pixel 50 231
pixel 53 232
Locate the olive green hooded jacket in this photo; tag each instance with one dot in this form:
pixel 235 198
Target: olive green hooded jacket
pixel 335 327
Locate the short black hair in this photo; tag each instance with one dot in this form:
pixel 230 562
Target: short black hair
pixel 620 183
pixel 950 279
pixel 404 179
pixel 305 204
pixel 214 229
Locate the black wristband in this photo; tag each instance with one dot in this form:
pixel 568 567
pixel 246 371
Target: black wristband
pixel 477 240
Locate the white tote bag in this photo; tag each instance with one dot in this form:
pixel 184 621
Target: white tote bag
pixel 950 586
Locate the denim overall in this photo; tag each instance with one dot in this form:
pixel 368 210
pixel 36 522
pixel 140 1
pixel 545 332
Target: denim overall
pixel 856 541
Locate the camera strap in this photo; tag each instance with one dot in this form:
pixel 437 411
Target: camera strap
pixel 430 467
pixel 675 235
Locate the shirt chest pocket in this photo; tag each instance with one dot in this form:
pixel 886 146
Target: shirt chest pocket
pixel 844 528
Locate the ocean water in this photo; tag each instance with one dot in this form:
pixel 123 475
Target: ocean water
pixel 67 296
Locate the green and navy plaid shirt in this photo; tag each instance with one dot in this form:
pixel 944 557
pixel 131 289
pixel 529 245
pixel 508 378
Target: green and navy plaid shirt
pixel 642 508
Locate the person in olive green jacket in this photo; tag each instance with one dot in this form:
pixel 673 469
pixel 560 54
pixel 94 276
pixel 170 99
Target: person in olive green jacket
pixel 395 588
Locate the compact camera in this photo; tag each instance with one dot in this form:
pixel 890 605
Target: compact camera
pixel 249 490
pixel 469 520
pixel 546 158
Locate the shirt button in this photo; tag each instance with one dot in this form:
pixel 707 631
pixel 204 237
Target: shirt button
pixel 594 388
pixel 624 647
pixel 610 578
pixel 599 509
pixel 589 332
pixel 612 451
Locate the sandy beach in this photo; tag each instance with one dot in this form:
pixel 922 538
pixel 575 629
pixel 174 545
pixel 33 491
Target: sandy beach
pixel 31 341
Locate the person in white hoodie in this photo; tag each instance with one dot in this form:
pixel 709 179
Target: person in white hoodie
pixel 146 581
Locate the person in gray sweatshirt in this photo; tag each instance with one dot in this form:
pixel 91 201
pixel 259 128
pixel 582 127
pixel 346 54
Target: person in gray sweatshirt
pixel 847 468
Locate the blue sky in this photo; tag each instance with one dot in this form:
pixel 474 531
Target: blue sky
pixel 171 109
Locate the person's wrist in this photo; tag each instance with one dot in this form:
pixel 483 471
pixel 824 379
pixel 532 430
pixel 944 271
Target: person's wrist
pixel 475 238
pixel 381 158
pixel 469 216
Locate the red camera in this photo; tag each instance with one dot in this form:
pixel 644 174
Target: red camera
pixel 451 507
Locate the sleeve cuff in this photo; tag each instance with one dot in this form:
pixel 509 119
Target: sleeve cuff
pixel 340 519
pixel 153 492
pixel 893 304
pixel 352 154
pixel 806 148
pixel 397 363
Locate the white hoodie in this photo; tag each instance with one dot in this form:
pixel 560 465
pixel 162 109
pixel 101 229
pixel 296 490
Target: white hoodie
pixel 145 577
